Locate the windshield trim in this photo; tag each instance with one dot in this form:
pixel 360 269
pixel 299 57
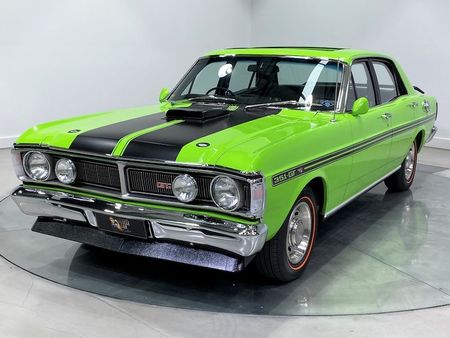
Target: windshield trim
pixel 340 106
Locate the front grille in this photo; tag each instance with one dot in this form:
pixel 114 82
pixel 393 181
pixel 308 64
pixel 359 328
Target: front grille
pixel 97 174
pixel 150 182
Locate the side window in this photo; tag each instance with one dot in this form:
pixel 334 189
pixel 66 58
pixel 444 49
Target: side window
pixel 386 81
pixel 363 83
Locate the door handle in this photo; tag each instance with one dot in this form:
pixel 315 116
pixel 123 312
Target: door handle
pixel 386 116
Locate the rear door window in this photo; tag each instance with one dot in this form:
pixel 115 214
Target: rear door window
pixel 386 82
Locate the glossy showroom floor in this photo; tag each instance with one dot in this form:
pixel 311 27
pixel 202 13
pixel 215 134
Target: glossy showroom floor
pixel 379 258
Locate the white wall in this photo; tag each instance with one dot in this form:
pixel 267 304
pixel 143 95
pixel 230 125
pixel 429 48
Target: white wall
pixel 415 32
pixel 60 58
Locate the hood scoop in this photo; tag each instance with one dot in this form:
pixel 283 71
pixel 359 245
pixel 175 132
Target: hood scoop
pixel 197 113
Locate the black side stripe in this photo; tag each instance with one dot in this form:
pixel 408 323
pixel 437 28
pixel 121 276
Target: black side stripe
pixel 103 140
pixel 342 153
pixel 165 144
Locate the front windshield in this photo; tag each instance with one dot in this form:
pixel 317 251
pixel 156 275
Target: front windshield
pixel 257 80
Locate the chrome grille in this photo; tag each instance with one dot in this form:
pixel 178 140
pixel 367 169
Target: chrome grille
pixel 148 182
pixel 97 174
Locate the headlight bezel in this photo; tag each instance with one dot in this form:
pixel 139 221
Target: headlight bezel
pixel 25 165
pixel 239 188
pixel 194 184
pixel 73 168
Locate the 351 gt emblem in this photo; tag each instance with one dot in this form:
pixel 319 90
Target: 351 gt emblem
pixel 164 185
pixel 121 225
pixel 287 175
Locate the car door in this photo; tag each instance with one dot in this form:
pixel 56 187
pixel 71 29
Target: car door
pixel 399 106
pixel 370 131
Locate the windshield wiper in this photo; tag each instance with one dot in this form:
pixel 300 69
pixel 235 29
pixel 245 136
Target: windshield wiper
pixel 212 98
pixel 276 105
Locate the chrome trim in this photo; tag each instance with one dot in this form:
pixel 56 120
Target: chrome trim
pixel 194 183
pixel 239 189
pixel 281 56
pixel 142 162
pixel 344 89
pixel 28 174
pixel 347 201
pixel 426 106
pixel 238 238
pixel 432 133
pixel 126 195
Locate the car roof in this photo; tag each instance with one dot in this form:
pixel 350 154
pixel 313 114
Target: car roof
pixel 346 55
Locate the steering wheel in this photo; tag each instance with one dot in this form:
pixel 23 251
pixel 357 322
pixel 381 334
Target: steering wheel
pixel 227 91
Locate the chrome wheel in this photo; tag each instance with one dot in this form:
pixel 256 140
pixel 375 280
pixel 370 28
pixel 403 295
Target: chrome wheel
pixel 299 232
pixel 410 163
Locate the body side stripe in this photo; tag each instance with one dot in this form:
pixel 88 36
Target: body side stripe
pixel 303 168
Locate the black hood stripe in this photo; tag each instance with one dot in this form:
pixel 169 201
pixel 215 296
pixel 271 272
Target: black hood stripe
pixel 166 143
pixel 104 139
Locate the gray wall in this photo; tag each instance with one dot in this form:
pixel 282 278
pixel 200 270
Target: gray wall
pixel 415 32
pixel 60 58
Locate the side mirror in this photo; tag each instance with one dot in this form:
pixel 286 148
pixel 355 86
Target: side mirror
pixel 360 106
pixel 164 94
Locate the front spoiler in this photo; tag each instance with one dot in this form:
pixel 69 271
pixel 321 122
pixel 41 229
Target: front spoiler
pixel 128 245
pixel 178 236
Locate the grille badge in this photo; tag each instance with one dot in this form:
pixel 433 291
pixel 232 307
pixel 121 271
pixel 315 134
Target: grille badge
pixel 163 185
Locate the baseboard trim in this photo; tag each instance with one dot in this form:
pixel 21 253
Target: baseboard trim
pixel 7 141
pixel 439 142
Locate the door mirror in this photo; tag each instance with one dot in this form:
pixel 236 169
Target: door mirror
pixel 164 94
pixel 360 106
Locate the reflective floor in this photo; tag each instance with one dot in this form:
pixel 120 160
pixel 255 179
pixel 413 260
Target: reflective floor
pixel 384 252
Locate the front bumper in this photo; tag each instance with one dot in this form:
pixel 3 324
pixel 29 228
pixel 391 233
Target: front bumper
pixel 170 227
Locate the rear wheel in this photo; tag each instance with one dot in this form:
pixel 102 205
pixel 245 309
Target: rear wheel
pixel 402 179
pixel 286 255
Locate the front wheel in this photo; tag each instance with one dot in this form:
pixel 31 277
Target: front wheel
pixel 402 179
pixel 286 255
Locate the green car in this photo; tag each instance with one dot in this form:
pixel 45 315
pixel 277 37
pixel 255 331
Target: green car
pixel 240 162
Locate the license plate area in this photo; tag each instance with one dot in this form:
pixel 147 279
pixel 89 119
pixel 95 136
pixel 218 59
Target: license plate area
pixel 123 226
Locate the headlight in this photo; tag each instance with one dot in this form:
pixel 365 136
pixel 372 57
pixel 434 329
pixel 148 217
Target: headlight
pixel 65 171
pixel 37 166
pixel 184 188
pixel 226 193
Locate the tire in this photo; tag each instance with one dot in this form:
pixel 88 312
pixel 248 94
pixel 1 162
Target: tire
pixel 402 179
pixel 276 261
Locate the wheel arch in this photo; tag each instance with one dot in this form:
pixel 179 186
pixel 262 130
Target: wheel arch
pixel 318 185
pixel 420 139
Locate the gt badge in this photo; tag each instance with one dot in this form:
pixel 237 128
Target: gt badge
pixel 163 185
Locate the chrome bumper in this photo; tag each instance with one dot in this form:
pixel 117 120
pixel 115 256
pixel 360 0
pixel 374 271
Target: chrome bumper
pixel 233 237
pixel 432 133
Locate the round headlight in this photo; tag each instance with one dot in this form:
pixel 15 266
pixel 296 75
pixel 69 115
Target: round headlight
pixel 226 193
pixel 184 187
pixel 65 171
pixel 37 166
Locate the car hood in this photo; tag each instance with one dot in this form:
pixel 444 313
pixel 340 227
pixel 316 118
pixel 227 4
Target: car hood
pixel 201 133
